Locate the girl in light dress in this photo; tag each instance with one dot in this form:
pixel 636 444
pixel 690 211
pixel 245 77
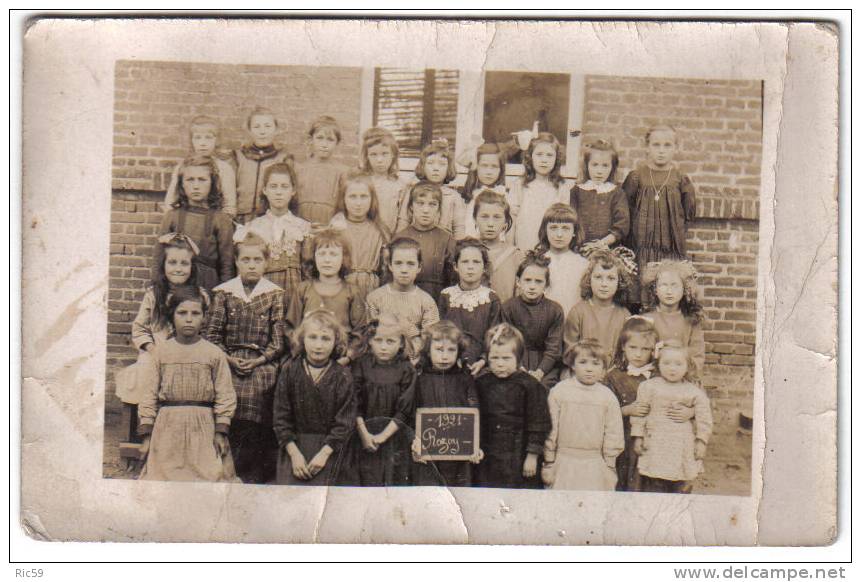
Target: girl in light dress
pixel 358 220
pixel 320 177
pixel 379 160
pixel 152 326
pixel 486 172
pixel 284 232
pixel 558 241
pixel 315 405
pixel 634 364
pixel 436 165
pixel 540 187
pixel 189 400
pixel 670 452
pixel 586 434
pixel 493 220
pixel 673 306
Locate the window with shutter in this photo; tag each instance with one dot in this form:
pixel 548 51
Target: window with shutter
pixel 416 105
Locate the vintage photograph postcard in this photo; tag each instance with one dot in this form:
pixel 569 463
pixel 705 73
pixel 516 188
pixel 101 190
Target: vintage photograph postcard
pixel 460 282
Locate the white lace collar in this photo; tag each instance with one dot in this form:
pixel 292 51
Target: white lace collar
pixel 601 188
pixel 235 288
pixel 467 299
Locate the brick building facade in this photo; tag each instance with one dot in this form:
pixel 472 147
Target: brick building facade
pixel 719 123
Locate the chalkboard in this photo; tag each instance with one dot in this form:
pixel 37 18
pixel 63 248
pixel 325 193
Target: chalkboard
pixel 447 434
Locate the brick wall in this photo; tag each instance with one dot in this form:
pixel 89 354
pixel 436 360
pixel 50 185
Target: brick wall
pixel 719 124
pixel 154 101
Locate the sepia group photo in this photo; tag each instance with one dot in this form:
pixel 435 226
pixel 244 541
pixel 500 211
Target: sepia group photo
pixel 392 277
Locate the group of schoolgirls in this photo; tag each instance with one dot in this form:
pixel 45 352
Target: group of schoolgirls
pixel 300 312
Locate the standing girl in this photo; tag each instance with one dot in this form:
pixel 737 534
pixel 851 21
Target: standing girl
pixel 671 452
pixel 320 177
pixel 384 381
pixel 379 160
pixel 601 206
pixel 633 365
pixel 315 406
pixel 673 306
pixel 486 172
pixel 437 244
pixel 203 134
pixel 662 200
pixel 326 287
pixel 493 220
pixel 252 160
pixel 436 165
pixel 587 434
pixel 283 231
pixel 514 416
pixel 196 214
pixel 443 383
pixel 186 410
pixel 152 326
pixel 539 319
pixel 471 305
pixel 541 187
pixel 558 239
pixel 358 219
pixel 247 323
pixel 401 297
pixel 600 315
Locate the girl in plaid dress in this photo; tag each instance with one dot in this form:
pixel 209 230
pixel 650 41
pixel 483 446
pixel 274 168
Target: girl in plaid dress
pixel 247 323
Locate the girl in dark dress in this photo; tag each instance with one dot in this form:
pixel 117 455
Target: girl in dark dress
pixel 601 206
pixel 515 419
pixel 471 304
pixel 443 383
pixel 384 382
pixel 315 406
pixel 662 202
pixel 539 319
